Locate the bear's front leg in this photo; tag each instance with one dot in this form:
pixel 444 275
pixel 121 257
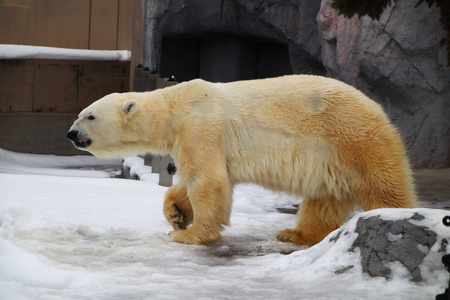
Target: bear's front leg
pixel 210 198
pixel 177 207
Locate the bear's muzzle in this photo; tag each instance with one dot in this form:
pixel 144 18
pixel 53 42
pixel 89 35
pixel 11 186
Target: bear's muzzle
pixel 77 140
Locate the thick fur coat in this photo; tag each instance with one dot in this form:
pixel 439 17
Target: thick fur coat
pixel 305 135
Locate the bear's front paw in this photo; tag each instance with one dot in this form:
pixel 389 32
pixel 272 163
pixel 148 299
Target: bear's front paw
pixel 297 237
pixel 176 218
pixel 193 236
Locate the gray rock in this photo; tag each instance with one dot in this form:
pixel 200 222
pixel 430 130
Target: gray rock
pixel 383 241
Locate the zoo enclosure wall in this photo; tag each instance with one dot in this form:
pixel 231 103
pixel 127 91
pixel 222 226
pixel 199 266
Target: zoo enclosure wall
pixel 39 99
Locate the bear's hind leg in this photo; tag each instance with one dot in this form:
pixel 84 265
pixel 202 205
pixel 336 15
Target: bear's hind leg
pixel 316 219
pixel 397 196
pixel 177 207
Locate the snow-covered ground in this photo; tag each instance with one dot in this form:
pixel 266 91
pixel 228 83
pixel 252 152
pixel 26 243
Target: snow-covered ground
pixel 69 231
pixel 38 52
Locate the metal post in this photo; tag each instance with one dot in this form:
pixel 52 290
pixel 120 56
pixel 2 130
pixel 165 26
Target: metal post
pixel 167 171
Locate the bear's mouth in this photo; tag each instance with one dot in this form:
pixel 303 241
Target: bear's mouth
pixel 79 140
pixel 82 144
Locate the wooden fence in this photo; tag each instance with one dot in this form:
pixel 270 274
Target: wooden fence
pixel 147 80
pixel 76 24
pixel 40 99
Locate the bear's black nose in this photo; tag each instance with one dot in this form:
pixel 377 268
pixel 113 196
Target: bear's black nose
pixel 72 135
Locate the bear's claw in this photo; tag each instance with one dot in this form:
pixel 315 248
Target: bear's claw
pixel 284 237
pixel 178 218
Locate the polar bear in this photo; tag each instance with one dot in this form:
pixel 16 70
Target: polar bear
pixel 306 135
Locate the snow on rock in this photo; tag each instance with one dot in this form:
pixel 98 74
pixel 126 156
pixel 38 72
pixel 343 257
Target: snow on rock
pixel 412 238
pixel 38 52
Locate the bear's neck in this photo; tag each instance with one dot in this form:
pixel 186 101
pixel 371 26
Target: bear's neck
pixel 157 126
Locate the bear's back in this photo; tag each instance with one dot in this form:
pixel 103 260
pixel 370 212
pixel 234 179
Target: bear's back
pixel 287 132
pixel 300 103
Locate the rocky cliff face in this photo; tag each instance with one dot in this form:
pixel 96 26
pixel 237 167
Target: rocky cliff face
pixel 396 60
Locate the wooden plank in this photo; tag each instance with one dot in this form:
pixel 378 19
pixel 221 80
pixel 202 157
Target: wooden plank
pixel 61 23
pixel 103 30
pixel 170 83
pixel 137 44
pixel 138 79
pixel 96 80
pixel 161 82
pixel 16 22
pixel 125 25
pixel 152 80
pixel 55 87
pixel 16 86
pixel 58 85
pixel 37 133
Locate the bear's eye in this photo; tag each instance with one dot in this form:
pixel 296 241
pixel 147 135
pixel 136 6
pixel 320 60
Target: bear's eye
pixel 91 117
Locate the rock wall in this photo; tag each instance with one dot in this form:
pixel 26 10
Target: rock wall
pixel 396 60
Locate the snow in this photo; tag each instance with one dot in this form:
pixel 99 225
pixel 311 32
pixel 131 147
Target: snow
pixel 39 52
pixel 68 230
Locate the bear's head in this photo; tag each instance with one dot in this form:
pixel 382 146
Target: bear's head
pixel 106 127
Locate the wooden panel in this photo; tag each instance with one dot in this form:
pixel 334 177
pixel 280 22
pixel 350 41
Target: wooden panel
pixel 55 87
pixel 61 23
pixel 79 24
pixel 37 133
pixel 125 27
pixel 100 79
pixel 39 85
pixel 16 21
pixel 104 14
pixel 16 86
pixel 137 45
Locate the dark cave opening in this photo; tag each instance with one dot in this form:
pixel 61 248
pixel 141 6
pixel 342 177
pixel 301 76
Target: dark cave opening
pixel 223 58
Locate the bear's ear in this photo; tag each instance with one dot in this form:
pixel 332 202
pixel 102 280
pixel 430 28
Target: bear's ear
pixel 130 107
